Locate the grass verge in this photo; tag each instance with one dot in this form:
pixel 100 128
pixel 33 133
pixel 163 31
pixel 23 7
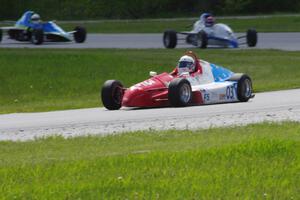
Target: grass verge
pixel 254 162
pixel 52 79
pixel 262 24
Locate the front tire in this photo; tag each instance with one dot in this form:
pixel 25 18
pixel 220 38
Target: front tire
pixel 170 39
pixel 179 92
pixel 112 94
pixel 251 36
pixel 244 87
pixel 80 34
pixel 202 40
pixel 37 36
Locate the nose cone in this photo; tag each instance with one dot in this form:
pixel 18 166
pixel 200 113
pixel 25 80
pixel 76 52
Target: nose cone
pixel 134 97
pixel 128 98
pixel 148 93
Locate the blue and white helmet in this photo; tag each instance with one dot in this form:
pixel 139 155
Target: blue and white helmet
pixel 207 19
pixel 35 18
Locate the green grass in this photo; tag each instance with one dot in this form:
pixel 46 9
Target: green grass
pixel 253 162
pixel 42 80
pixel 262 24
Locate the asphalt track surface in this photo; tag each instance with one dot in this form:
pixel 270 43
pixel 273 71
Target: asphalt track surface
pixel 282 41
pixel 269 106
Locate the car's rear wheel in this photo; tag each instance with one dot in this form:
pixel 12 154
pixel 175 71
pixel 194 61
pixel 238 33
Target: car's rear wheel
pixel 80 34
pixel 170 39
pixel 202 40
pixel 244 87
pixel 179 92
pixel 251 36
pixel 37 36
pixel 112 94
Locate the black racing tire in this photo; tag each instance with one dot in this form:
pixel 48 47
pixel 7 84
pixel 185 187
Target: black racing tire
pixel 170 39
pixel 179 92
pixel 37 36
pixel 251 37
pixel 112 94
pixel 244 87
pixel 1 35
pixel 202 40
pixel 80 34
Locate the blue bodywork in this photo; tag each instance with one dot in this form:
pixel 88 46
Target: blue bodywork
pixel 220 73
pixel 48 27
pixel 24 21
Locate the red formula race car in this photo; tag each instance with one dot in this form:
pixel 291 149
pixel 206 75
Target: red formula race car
pixel 192 82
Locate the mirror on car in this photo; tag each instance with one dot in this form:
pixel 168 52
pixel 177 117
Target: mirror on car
pixel 151 73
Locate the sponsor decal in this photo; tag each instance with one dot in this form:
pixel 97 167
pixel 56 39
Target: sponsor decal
pixel 144 83
pixel 230 92
pixel 222 96
pixel 206 97
pixel 148 82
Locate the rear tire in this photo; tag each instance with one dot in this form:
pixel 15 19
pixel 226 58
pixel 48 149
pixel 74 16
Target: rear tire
pixel 251 37
pixel 112 94
pixel 244 88
pixel 37 36
pixel 179 92
pixel 202 40
pixel 170 39
pixel 80 34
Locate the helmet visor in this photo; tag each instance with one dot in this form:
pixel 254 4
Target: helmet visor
pixel 35 20
pixel 185 64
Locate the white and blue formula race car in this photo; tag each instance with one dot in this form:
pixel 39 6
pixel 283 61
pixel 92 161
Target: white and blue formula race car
pixel 206 33
pixel 30 28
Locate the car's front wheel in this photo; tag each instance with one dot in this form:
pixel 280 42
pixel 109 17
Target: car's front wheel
pixel 37 36
pixel 80 34
pixel 179 92
pixel 112 94
pixel 170 39
pixel 202 40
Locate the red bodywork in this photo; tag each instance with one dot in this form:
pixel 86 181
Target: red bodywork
pixel 154 91
pixel 150 93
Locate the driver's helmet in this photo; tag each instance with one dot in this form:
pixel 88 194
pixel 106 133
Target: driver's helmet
pixel 186 64
pixel 35 18
pixel 209 21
